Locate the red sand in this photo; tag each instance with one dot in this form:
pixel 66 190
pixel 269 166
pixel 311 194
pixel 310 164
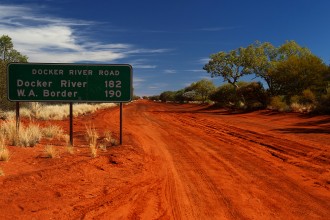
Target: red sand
pixel 177 162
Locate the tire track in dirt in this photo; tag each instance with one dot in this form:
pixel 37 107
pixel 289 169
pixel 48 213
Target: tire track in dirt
pixel 177 163
pixel 248 145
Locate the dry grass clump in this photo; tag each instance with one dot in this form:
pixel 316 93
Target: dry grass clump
pixel 69 147
pixel 28 136
pixel 1 172
pixel 60 112
pixel 7 115
pixel 109 139
pixel 54 112
pixel 50 151
pixel 92 137
pixel 103 147
pixel 8 132
pixel 52 131
pixel 4 152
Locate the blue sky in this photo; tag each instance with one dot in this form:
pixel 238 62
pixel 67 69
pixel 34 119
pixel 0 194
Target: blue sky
pixel 166 42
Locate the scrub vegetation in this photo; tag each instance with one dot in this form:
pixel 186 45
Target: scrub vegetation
pixel 291 78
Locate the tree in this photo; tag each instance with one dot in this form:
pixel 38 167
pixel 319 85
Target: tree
pixel 225 95
pixel 296 74
pixel 167 96
pixel 203 88
pixel 230 66
pixel 264 57
pixel 7 54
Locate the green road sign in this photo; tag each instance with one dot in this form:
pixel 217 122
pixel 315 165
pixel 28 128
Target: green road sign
pixel 69 82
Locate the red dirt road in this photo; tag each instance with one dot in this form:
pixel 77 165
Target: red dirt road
pixel 177 162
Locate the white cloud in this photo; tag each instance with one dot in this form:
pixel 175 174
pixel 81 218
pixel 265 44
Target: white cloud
pixel 56 37
pixel 204 60
pixel 140 64
pixel 170 71
pixel 137 82
pixel 51 39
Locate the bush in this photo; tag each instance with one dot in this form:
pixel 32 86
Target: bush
pixel 323 105
pixel 224 96
pixel 248 96
pixel 278 103
pixel 308 97
pixel 254 95
pixel 302 108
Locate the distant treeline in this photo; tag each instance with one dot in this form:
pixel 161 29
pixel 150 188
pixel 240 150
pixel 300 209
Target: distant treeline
pixel 295 80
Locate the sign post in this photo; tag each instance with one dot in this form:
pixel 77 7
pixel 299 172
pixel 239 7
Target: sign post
pixel 52 82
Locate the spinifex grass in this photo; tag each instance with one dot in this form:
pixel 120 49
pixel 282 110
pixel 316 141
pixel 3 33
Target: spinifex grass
pixel 4 152
pixel 27 136
pixel 52 131
pixel 109 139
pixel 50 151
pixel 92 137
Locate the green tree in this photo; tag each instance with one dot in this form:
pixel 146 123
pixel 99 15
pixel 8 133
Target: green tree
pixel 230 66
pixel 224 95
pixel 167 96
pixel 8 54
pixel 296 74
pixel 203 88
pixel 264 57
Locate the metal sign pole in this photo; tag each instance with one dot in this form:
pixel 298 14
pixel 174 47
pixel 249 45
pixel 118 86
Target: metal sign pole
pixel 71 124
pixel 17 122
pixel 121 124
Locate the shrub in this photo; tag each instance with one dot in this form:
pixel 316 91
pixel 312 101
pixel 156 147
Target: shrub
pixel 278 103
pixel 302 108
pixel 308 97
pixel 323 105
pixel 254 95
pixel 224 95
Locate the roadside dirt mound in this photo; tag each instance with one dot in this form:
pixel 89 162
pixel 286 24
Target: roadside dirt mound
pixel 176 162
